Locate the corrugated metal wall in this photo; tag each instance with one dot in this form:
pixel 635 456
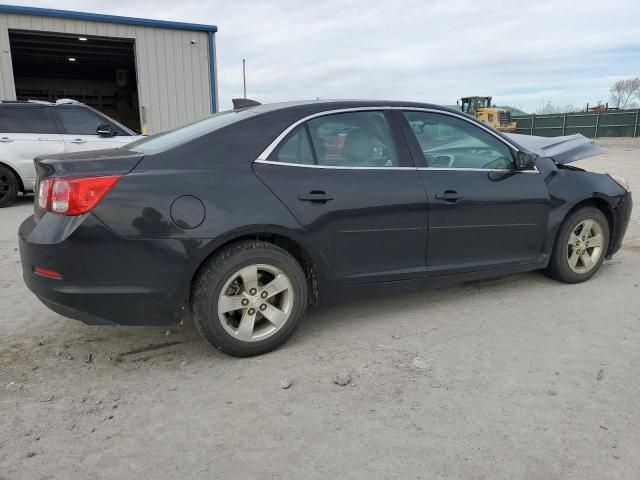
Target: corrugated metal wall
pixel 173 74
pixel 622 123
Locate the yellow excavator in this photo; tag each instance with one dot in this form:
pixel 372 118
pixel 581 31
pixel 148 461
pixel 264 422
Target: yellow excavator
pixel 480 107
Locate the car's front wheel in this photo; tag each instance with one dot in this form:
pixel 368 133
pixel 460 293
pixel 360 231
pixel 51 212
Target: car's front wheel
pixel 9 187
pixel 249 298
pixel 581 245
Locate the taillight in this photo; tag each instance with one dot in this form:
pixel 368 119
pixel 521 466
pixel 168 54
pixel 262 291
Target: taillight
pixel 44 192
pixel 73 195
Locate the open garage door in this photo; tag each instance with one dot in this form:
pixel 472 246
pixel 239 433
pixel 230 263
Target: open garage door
pixel 97 71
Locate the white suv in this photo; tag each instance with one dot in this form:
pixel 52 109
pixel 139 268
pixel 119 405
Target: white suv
pixel 30 129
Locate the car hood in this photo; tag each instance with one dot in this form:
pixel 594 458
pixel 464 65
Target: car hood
pixel 566 149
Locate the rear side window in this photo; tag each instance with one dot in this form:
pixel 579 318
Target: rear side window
pixel 82 121
pixel 355 139
pixel 26 120
pixel 295 149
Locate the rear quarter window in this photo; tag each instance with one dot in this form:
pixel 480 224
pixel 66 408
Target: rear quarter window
pixel 15 119
pixel 83 121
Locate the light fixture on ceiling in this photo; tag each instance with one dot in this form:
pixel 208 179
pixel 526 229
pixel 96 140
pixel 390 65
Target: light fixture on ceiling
pixel 82 39
pixel 72 59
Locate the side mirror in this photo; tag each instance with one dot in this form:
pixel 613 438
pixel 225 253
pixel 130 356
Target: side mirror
pixel 106 131
pixel 525 161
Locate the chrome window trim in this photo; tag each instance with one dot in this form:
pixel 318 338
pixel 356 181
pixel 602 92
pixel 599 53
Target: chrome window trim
pixel 264 156
pixel 465 169
pixel 337 167
pixel 332 167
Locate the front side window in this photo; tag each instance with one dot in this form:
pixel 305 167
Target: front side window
pixel 17 119
pixel 450 142
pixel 81 121
pixel 354 139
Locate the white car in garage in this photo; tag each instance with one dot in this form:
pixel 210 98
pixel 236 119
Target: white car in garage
pixel 33 128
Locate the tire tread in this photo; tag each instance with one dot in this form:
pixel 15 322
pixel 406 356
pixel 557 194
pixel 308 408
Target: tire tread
pixel 208 275
pixel 558 267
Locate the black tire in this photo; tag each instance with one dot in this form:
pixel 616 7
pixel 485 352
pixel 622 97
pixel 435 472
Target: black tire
pixel 216 273
pixel 559 263
pixel 9 186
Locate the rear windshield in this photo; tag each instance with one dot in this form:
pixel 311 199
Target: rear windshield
pixel 179 136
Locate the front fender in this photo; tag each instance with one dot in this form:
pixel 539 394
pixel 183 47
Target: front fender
pixel 571 189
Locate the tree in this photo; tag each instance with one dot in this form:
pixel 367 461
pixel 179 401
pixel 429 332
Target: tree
pixel 548 108
pixel 623 91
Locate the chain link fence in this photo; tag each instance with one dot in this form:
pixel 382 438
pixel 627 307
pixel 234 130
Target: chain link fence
pixel 620 123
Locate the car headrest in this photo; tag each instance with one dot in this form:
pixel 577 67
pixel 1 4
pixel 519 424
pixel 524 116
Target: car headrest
pixel 357 146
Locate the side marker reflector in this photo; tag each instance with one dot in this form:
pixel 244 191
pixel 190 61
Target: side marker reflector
pixel 48 273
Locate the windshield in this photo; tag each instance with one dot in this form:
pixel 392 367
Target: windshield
pixel 179 136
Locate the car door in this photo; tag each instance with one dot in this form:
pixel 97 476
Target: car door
pixel 79 125
pixel 349 180
pixel 27 131
pixel 483 213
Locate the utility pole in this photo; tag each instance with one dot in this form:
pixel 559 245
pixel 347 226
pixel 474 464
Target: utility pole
pixel 244 78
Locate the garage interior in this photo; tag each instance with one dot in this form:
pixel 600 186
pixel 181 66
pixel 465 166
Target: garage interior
pixel 97 71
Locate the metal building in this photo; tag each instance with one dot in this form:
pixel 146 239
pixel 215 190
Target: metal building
pixel 151 75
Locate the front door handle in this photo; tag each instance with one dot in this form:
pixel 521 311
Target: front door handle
pixel 78 140
pixel 6 139
pixel 450 196
pixel 315 196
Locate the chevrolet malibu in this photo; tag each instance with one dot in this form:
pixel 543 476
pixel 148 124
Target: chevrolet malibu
pixel 247 217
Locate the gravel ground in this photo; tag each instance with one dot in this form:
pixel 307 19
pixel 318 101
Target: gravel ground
pixel 520 377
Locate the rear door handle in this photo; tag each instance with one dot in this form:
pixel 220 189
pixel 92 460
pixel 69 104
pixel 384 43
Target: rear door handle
pixel 6 139
pixel 315 196
pixel 450 196
pixel 78 140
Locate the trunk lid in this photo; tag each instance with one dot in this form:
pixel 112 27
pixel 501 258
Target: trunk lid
pixel 94 163
pixel 91 163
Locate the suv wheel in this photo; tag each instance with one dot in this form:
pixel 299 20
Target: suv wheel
pixel 9 187
pixel 249 299
pixel 581 245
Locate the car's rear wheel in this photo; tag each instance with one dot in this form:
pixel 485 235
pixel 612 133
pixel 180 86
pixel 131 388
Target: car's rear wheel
pixel 581 246
pixel 9 186
pixel 249 298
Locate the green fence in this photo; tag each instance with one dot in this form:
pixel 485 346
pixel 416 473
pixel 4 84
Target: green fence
pixel 621 123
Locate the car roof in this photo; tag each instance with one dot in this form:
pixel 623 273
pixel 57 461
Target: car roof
pixel 42 103
pixel 341 104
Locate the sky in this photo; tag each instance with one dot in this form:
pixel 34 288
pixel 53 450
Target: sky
pixel 523 53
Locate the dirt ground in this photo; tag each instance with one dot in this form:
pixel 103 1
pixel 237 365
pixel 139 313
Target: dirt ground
pixel 516 378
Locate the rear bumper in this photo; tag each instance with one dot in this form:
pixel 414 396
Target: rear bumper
pixel 623 214
pixel 105 279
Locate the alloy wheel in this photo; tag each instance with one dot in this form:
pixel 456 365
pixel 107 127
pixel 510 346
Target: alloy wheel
pixel 585 244
pixel 255 302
